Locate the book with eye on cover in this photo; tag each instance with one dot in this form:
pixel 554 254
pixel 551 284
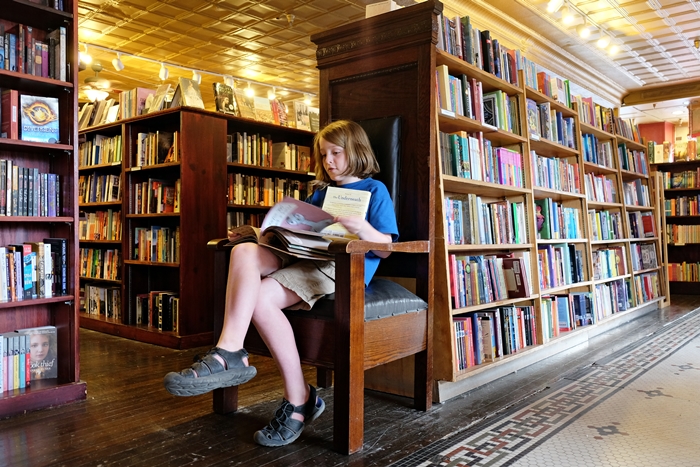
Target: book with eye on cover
pixel 302 229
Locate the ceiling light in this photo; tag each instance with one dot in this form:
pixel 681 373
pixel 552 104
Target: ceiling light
pixel 678 112
pixel 583 30
pixel 567 17
pixel 686 102
pixel 307 99
pixel 272 93
pixel 196 77
pixel 228 81
pixel 96 94
pixel 117 62
pixel 613 50
pixel 85 56
pixel 249 91
pixel 604 40
pixel 163 73
pixel 554 5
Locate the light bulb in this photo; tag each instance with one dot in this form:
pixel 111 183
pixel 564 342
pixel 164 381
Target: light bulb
pixel 96 94
pixel 554 5
pixel 117 62
pixel 583 31
pixel 604 40
pixel 163 73
pixel 271 94
pixel 196 77
pixel 567 17
pixel 249 91
pixel 85 56
pixel 613 50
pixel 307 99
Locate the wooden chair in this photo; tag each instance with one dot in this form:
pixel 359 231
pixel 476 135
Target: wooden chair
pixel 357 328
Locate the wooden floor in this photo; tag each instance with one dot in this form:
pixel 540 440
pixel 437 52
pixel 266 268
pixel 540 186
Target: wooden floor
pixel 130 420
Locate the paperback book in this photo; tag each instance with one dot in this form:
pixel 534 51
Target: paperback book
pixel 302 229
pixel 43 352
pixel 225 102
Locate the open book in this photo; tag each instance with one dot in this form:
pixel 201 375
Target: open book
pixel 304 230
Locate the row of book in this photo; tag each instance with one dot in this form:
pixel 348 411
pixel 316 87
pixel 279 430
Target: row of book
pixel 29 117
pixel 636 193
pixel 27 355
pixel 609 262
pixel 642 224
pixel 612 297
pixel 156 196
pixel 685 179
pixel 647 287
pixel 158 147
pixel 605 225
pixel 475 220
pixel 24 191
pixel 682 206
pixel 158 309
pixel 682 234
pixel 101 300
pixel 96 113
pixel 643 256
pixel 97 263
pixel 600 188
pixel 33 270
pixel 475 280
pixel 156 244
pixel 100 150
pixel 596 151
pixel 99 188
pixel 665 151
pixel 555 173
pixel 33 51
pixel 457 36
pixel 238 218
pixel 683 272
pixel 484 336
pixel 259 150
pixel 253 190
pixel 100 225
pixel 559 264
pixel 556 221
pixel 545 122
pixel 471 156
pixel 555 88
pixel 632 160
pixel 566 312
pixel 628 129
pixel 595 114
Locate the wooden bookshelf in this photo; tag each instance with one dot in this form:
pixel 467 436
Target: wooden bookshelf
pixel 203 172
pixel 410 32
pixel 60 159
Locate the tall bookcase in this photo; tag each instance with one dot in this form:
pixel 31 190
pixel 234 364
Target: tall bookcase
pixel 679 185
pixel 393 59
pixel 60 158
pixel 200 174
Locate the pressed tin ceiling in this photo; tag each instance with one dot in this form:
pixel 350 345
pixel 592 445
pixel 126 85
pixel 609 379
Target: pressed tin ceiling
pixel 268 40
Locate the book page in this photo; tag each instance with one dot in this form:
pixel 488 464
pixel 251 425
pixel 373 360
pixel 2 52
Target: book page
pixel 345 202
pixel 293 214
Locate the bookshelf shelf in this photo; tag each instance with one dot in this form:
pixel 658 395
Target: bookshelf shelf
pixel 151 263
pixel 549 241
pixel 87 168
pixel 557 195
pixel 631 207
pixel 146 168
pixel 561 288
pixel 631 143
pixel 545 147
pixel 597 168
pixel 610 242
pixel 100 205
pixel 603 205
pixel 629 175
pixel 449 124
pixel 490 82
pixel 611 279
pixel 36 158
pixel 597 132
pixel 483 306
pixel 482 247
pixel 463 185
pixel 152 216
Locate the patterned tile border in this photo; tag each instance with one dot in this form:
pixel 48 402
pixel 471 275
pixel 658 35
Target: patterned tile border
pixel 507 437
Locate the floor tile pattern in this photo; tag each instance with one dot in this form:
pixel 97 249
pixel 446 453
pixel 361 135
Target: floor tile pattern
pixel 638 407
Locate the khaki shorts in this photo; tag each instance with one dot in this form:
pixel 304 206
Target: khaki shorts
pixel 309 279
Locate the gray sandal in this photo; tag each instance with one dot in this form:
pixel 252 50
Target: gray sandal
pixel 283 429
pixel 207 373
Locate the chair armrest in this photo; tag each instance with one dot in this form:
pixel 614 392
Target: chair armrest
pixel 362 246
pixel 218 244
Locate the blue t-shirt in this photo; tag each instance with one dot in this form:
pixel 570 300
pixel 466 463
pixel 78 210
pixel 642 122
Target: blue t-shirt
pixel 380 215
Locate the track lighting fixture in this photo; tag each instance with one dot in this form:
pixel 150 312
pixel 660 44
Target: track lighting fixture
pixel 307 99
pixel 272 93
pixel 228 81
pixel 163 73
pixel 196 77
pixel 554 5
pixel 249 91
pixel 117 62
pixel 604 40
pixel 85 56
pixel 583 30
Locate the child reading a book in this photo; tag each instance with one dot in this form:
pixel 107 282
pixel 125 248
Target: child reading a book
pixel 262 282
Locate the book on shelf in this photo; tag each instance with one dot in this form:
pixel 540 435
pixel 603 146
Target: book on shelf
pixel 263 110
pixel 59 262
pixel 301 115
pixel 245 104
pixel 39 119
pixel 15 372
pixel 225 102
pixel 314 119
pixel 9 114
pixel 187 93
pixel 43 351
pixel 302 229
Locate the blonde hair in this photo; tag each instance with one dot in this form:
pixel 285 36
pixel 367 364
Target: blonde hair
pixel 352 138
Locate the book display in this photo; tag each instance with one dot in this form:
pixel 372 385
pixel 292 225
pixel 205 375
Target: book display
pixel 38 195
pixel 680 185
pixel 516 163
pixel 142 275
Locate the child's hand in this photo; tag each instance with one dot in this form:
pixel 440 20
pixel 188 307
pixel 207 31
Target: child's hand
pixel 232 235
pixel 354 224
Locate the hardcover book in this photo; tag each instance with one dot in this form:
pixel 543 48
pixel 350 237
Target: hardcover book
pixel 225 102
pixel 245 104
pixel 39 119
pixel 187 94
pixel 42 351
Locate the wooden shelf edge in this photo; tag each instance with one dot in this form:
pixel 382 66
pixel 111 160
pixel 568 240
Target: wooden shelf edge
pixel 482 306
pixel 20 401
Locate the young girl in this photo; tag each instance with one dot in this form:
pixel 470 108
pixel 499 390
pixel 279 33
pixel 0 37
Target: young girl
pixel 262 282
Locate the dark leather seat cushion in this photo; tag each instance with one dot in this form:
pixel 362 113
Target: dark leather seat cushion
pixel 382 298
